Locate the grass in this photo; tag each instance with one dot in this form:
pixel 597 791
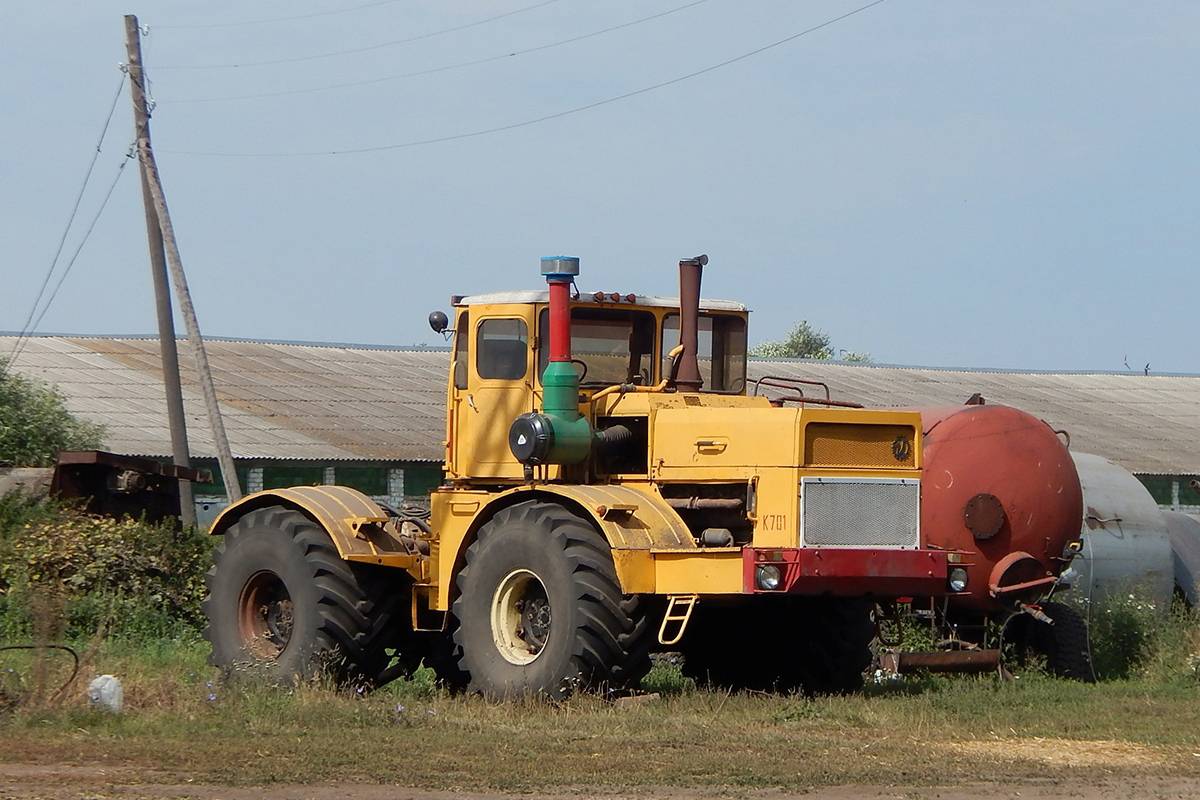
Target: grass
pixel 181 723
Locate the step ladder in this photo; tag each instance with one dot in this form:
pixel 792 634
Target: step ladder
pixel 679 611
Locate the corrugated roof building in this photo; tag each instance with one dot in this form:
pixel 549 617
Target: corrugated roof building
pixel 279 401
pixel 307 413
pixel 371 418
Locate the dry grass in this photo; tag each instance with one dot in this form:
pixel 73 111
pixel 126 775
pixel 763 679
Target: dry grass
pixel 180 728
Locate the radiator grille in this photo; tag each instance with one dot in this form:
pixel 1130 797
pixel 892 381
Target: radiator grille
pixel 828 444
pixel 860 512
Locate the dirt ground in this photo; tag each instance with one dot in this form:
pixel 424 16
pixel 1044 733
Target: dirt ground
pixel 1041 768
pixel 68 782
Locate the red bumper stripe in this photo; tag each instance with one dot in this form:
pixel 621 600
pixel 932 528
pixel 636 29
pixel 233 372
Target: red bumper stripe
pixel 851 572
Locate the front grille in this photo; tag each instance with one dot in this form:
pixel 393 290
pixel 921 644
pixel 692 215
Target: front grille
pixel 829 444
pixel 860 512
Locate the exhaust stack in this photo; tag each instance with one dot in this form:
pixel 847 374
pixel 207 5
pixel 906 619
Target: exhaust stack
pixel 689 379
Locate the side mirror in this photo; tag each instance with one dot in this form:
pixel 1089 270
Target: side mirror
pixel 439 321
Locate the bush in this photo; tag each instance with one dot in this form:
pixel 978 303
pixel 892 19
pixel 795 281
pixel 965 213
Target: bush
pixel 1132 637
pixel 666 676
pixel 1124 631
pixel 421 685
pixel 35 424
pixel 71 574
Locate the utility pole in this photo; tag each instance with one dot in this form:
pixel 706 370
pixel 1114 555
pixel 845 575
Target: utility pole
pixel 168 351
pixel 158 221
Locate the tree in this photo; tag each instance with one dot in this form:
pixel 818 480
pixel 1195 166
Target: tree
pixel 805 341
pixel 35 423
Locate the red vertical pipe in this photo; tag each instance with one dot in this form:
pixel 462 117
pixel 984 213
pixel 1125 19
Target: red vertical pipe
pixel 560 318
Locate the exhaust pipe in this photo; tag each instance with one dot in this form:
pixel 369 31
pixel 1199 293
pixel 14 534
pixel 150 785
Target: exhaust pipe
pixel 688 379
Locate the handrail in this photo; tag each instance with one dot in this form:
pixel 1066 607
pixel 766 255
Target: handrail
pixel 797 385
pixel 780 382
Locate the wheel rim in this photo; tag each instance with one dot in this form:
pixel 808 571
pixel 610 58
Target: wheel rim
pixel 265 616
pixel 520 617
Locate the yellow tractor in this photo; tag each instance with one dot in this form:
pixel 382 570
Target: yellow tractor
pixel 613 485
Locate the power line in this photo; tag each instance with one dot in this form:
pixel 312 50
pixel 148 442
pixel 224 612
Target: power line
pixel 25 334
pixel 129 155
pixel 71 219
pixel 367 48
pixel 278 19
pixel 78 199
pixel 547 117
pixel 446 68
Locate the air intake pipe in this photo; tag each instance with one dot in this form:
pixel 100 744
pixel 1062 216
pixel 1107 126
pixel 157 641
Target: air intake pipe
pixel 559 434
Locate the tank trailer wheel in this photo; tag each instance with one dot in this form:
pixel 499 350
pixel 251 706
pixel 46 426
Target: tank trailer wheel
pixel 282 602
pixel 540 610
pixel 1064 645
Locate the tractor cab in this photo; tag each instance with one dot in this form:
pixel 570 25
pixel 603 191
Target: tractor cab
pixel 502 351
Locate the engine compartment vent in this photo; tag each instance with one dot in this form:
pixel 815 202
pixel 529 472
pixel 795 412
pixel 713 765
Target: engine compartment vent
pixel 860 512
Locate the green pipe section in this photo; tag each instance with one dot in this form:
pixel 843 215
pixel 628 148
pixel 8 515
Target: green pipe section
pixel 560 404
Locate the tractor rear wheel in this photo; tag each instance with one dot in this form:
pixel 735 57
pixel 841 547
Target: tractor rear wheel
pixel 782 644
pixel 837 645
pixel 540 610
pixel 282 602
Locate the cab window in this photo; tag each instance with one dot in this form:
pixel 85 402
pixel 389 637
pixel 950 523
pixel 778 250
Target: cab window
pixel 615 344
pixel 502 349
pixel 722 349
pixel 462 332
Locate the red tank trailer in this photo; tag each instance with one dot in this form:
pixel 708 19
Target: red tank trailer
pixel 1000 484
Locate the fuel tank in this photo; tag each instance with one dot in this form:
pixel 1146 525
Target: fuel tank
pixel 1000 485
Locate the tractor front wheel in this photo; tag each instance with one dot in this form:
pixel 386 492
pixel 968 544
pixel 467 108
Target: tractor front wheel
pixel 540 610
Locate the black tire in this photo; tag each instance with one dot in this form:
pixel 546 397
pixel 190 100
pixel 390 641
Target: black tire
pixel 283 604
pixel 540 611
pixel 780 644
pixel 1064 644
pixel 838 634
pixel 727 644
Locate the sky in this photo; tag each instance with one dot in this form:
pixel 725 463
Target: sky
pixel 1009 185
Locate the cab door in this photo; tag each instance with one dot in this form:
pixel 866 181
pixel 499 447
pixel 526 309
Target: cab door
pixel 499 388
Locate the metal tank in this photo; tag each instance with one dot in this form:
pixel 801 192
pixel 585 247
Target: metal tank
pixel 1001 485
pixel 1184 533
pixel 1125 545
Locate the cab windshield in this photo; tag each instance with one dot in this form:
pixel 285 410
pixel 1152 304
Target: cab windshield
pixel 609 345
pixel 616 345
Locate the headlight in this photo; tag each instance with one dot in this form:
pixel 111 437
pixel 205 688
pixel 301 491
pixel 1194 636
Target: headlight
pixel 958 580
pixel 767 576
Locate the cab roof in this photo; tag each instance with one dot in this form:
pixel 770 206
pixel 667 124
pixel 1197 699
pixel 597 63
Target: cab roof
pixel 531 296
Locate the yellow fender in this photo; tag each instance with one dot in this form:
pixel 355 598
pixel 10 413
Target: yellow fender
pixel 652 548
pixel 630 519
pixel 353 520
pixel 638 524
